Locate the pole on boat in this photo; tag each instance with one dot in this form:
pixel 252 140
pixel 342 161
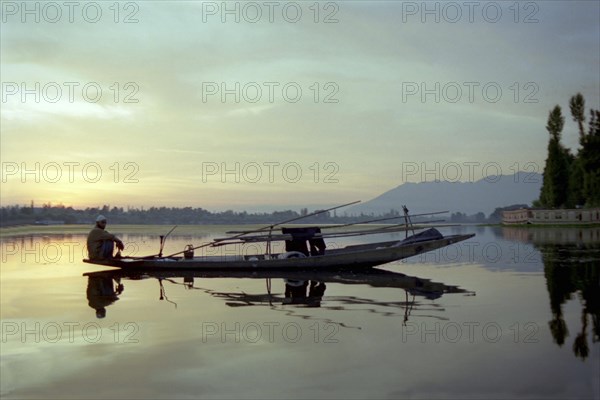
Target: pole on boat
pixel 386 229
pixel 384 219
pixel 407 221
pixel 269 227
pixel 163 240
pixel 268 246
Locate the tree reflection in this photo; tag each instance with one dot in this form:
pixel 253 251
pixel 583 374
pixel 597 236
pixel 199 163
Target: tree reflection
pixel 573 270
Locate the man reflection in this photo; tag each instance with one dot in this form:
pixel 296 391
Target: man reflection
pixel 101 292
pixel 295 292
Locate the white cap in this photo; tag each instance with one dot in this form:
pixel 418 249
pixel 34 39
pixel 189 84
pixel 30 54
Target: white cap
pixel 100 218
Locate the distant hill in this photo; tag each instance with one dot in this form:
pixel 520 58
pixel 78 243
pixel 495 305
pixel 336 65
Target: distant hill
pixel 467 197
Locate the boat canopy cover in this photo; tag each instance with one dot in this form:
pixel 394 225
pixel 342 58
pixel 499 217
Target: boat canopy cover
pixel 429 234
pixel 299 238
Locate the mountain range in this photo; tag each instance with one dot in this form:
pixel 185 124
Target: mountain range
pixel 484 195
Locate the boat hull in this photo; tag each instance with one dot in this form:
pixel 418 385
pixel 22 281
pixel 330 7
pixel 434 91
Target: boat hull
pixel 350 257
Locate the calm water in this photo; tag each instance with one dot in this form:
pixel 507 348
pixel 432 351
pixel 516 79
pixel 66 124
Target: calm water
pixel 511 313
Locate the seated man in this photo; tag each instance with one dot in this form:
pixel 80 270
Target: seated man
pixel 100 243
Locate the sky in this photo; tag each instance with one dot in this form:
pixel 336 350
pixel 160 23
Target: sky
pixel 277 105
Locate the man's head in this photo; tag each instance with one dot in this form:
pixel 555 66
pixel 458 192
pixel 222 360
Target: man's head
pixel 101 221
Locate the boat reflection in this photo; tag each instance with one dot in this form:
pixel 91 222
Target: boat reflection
pixel 305 289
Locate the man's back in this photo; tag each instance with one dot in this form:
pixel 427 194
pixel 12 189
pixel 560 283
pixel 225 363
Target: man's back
pixel 94 242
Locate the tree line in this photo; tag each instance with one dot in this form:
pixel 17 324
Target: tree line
pixel 572 180
pixel 52 214
pixel 48 214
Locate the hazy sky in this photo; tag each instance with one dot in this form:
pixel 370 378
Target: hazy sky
pixel 252 105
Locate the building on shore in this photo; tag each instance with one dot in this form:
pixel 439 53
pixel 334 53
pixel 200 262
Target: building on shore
pixel 551 216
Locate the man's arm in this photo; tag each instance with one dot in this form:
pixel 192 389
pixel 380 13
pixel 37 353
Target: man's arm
pixel 109 236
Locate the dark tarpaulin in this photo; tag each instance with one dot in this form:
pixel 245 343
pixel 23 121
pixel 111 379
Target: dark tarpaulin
pixel 429 234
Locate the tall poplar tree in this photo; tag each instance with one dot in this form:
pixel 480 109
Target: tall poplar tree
pixel 590 161
pixel 577 106
pixel 576 195
pixel 555 186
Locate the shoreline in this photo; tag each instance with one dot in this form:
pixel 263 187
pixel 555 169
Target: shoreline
pixel 118 229
pixel 188 230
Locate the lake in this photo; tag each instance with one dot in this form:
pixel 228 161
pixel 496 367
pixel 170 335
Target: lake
pixel 511 313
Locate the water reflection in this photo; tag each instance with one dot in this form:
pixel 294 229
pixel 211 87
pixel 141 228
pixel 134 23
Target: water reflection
pixel 102 292
pixel 573 270
pixel 297 289
pixel 538 287
pixel 552 235
pixel 571 260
